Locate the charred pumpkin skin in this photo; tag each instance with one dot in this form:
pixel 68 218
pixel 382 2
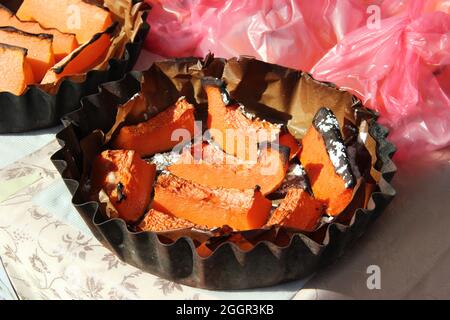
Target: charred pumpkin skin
pixel 218 169
pixel 126 179
pixel 213 207
pixel 289 141
pixel 16 73
pixel 298 210
pixel 155 135
pixel 296 177
pixel 82 59
pixel 68 16
pixel 225 119
pixel 332 181
pixel 39 46
pixel 158 221
pixel 63 43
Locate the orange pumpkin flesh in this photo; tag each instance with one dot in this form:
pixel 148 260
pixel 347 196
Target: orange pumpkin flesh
pixel 68 16
pixel 298 210
pixel 204 250
pixel 82 59
pixel 40 52
pixel 236 134
pixel 63 43
pixel 327 184
pixel 212 207
pixel 159 221
pixel 288 140
pixel 126 179
pixel 16 73
pixel 217 169
pixel 155 134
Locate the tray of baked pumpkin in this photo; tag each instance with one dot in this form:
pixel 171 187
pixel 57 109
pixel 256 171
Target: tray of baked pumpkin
pixel 225 174
pixel 53 53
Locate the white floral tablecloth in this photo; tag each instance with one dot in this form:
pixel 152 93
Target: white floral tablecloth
pixel 14 147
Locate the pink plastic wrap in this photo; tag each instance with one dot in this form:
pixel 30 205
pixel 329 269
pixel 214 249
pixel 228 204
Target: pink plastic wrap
pixel 399 68
pixel 292 33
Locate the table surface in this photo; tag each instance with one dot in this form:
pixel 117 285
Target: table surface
pixel 48 252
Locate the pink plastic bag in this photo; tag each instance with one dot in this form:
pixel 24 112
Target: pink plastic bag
pixel 401 70
pixel 292 33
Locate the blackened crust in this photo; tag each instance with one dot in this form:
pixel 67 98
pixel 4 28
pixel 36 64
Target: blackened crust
pixel 296 177
pixel 28 34
pixel 220 84
pixel 10 47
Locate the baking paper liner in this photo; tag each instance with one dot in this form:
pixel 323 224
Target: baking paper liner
pixel 272 92
pixel 37 108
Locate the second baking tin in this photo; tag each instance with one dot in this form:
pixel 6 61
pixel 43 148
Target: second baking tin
pixel 37 109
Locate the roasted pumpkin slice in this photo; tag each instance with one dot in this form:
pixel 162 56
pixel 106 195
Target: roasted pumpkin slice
pixel 325 159
pixel 126 179
pixel 159 221
pixel 63 43
pixel 16 73
pixel 82 59
pixel 159 133
pixel 212 207
pixel 40 51
pixel 298 210
pixel 68 16
pixel 236 132
pixel 217 169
